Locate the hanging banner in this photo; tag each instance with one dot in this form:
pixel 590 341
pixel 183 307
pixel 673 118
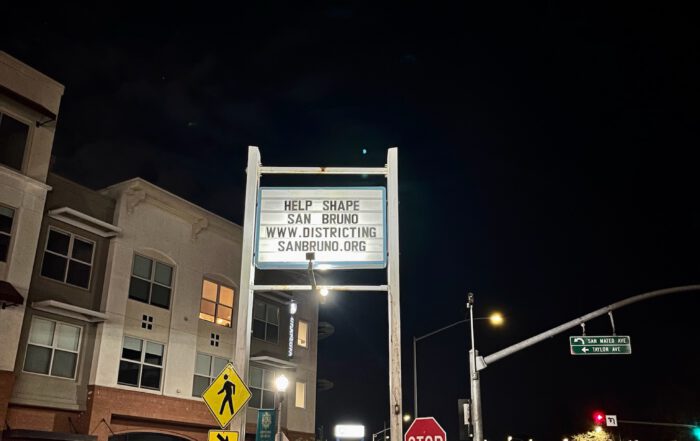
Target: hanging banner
pixel 266 425
pixel 345 227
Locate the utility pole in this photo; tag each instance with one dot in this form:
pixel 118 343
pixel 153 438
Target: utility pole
pixel 477 421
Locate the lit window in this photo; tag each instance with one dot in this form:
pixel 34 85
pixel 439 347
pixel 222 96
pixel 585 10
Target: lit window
pixel 151 281
pixel 303 334
pixel 141 364
pixel 68 258
pixel 206 369
pixel 52 348
pixel 266 320
pixel 216 305
pixel 262 388
pixel 6 217
pixel 300 398
pixel 13 141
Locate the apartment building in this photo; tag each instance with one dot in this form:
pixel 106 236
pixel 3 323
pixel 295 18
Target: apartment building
pixel 128 312
pixel 29 105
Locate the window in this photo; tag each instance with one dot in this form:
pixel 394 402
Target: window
pixel 262 388
pixel 13 140
pixel 266 320
pixel 303 334
pixel 206 368
pixel 151 281
pixel 147 322
pixel 216 305
pixel 300 397
pixel 68 258
pixel 52 348
pixel 6 217
pixel 141 364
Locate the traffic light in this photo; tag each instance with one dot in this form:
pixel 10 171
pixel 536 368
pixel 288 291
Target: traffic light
pixel 598 418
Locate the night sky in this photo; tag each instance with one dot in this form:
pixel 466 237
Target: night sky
pixel 547 164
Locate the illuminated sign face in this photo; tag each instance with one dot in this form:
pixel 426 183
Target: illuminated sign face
pixel 353 431
pixel 345 227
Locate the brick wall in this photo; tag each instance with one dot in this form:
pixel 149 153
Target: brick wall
pixel 119 410
pixel 39 418
pixel 115 411
pixel 7 381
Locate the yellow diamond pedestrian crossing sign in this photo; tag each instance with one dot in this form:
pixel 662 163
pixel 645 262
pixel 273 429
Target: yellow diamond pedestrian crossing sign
pixel 226 395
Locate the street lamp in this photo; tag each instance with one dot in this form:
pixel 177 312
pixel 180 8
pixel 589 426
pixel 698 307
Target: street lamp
pixel 281 384
pixel 496 319
pixel 406 417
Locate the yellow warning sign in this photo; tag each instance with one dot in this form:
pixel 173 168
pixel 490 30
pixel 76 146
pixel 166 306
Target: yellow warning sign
pixel 226 396
pixel 222 435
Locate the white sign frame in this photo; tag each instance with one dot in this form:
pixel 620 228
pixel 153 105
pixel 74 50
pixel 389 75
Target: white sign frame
pixel 390 170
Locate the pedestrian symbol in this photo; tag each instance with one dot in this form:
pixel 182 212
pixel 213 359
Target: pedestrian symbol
pixel 229 389
pixel 226 396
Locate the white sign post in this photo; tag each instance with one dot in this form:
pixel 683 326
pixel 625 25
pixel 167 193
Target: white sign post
pixel 344 228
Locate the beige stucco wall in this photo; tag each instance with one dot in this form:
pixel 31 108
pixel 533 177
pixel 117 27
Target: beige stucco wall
pixel 25 190
pixel 159 225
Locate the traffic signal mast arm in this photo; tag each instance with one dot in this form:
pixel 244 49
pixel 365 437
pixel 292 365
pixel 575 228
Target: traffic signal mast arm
pixel 482 362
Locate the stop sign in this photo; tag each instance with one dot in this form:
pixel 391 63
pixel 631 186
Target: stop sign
pixel 425 429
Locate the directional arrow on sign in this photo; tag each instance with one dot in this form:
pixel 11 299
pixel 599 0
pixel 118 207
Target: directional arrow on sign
pixel 579 339
pixel 221 438
pixel 584 349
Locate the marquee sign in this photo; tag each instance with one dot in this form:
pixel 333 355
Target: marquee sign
pixel 345 227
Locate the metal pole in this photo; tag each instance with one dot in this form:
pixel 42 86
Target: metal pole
pixel 474 378
pixel 576 322
pixel 415 381
pixel 393 295
pixel 244 317
pixel 484 362
pixel 279 416
pixel 415 367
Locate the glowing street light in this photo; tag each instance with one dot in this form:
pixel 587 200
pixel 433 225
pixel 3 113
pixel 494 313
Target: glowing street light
pixel 281 382
pixel 324 292
pixel 496 319
pixel 406 417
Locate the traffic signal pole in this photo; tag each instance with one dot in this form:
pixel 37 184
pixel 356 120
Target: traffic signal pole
pixel 475 384
pixel 478 363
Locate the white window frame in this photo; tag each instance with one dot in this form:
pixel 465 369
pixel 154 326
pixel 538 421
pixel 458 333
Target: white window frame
pixel 306 337
pixel 262 385
pixel 142 363
pixel 12 230
pixel 267 305
pixel 217 302
pixel 296 394
pixel 152 280
pixel 54 347
pixel 69 257
pixel 212 375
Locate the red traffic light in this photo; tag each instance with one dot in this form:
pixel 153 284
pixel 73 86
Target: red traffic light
pixel 598 418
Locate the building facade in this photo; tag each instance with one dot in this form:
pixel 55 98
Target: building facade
pixel 29 104
pixel 129 298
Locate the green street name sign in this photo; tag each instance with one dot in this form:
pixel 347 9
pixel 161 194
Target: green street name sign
pixel 600 345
